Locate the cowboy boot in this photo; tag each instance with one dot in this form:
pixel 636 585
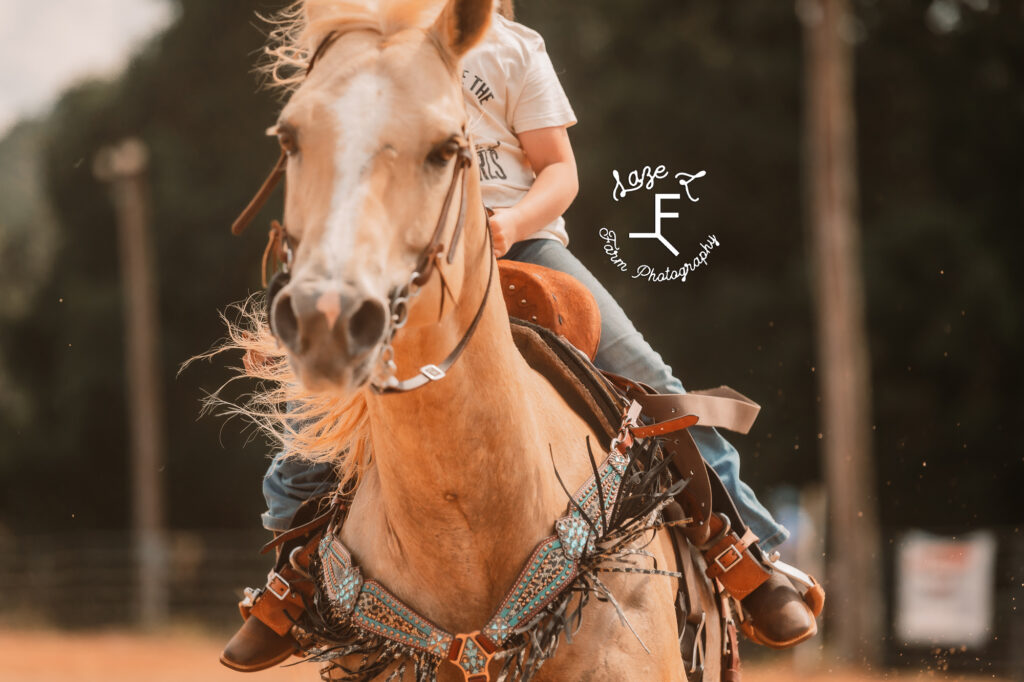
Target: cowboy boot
pixel 264 639
pixel 776 614
pixel 257 647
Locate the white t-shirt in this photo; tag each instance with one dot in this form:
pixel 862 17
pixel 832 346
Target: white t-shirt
pixel 511 87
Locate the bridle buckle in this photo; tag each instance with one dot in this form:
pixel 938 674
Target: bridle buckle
pixel 432 372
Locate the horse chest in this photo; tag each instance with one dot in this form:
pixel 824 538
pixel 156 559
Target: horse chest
pixel 450 567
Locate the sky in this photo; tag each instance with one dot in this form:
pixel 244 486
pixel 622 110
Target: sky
pixel 47 45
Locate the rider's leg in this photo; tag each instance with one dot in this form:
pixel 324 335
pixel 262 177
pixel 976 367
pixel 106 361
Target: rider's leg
pixel 288 483
pixel 624 351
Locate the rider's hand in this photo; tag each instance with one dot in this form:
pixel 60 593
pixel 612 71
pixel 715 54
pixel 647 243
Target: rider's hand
pixel 505 230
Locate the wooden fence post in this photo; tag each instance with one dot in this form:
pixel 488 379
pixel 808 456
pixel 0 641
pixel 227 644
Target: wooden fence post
pixel 123 167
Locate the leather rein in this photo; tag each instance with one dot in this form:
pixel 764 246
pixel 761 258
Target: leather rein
pixel 280 253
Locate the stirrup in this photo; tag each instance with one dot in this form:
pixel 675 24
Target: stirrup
pixel 813 593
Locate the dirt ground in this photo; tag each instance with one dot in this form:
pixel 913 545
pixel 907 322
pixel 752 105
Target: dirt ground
pixel 190 656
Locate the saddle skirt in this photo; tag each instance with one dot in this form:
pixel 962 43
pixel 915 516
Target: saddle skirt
pixel 553 300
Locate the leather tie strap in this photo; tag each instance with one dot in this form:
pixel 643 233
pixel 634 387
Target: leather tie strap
pixel 720 407
pixel 430 373
pixel 433 249
pixel 264 192
pixel 277 172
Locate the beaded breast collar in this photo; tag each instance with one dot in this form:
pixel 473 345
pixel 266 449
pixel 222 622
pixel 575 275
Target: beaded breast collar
pixel 361 617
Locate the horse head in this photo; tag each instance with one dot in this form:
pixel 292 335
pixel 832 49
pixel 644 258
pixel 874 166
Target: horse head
pixel 374 138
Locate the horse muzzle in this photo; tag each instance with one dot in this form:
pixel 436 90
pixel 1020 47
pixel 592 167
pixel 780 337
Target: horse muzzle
pixel 331 330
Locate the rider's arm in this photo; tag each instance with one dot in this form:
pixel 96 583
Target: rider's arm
pixel 550 155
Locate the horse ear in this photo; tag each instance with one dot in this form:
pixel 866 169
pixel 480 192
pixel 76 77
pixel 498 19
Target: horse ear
pixel 462 24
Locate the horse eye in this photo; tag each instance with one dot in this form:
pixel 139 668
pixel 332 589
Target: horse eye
pixel 444 152
pixel 288 141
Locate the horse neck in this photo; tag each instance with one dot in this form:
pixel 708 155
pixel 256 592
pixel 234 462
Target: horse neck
pixel 462 465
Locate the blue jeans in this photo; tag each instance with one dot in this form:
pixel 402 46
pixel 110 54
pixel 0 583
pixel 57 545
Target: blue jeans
pixel 622 350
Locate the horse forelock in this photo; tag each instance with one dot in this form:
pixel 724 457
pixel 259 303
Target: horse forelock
pixel 300 28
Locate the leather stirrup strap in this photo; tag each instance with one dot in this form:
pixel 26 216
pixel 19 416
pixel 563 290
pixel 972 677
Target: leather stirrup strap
pixel 319 521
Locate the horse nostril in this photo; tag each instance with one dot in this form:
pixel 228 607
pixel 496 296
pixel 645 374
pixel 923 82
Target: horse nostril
pixel 366 325
pixel 283 321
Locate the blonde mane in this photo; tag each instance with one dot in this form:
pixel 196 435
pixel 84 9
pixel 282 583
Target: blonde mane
pixel 318 427
pixel 298 29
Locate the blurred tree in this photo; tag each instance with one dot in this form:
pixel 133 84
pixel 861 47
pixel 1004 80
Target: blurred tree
pixel 830 176
pixel 190 94
pixel 27 235
pixel 942 173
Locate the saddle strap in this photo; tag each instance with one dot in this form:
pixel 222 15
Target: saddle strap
pixel 721 407
pixel 715 527
pixel 318 522
pixel 731 562
pixel 288 591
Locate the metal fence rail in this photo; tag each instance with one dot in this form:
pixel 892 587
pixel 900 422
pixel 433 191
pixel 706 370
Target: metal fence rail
pixel 89 579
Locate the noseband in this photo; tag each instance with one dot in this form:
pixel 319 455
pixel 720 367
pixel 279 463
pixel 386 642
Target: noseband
pixel 280 250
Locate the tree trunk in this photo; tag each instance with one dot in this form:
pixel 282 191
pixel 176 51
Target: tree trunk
pixel 854 575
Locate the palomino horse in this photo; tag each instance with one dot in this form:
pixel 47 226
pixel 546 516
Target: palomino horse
pixel 391 274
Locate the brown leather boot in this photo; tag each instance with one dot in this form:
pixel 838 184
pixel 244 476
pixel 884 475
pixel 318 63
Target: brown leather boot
pixel 256 647
pixel 265 639
pixel 777 614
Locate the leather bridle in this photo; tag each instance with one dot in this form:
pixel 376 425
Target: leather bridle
pixel 428 263
pixel 280 250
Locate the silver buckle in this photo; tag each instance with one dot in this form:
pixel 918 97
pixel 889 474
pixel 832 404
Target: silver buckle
pixel 730 548
pixel 432 372
pixel 270 585
pixel 250 597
